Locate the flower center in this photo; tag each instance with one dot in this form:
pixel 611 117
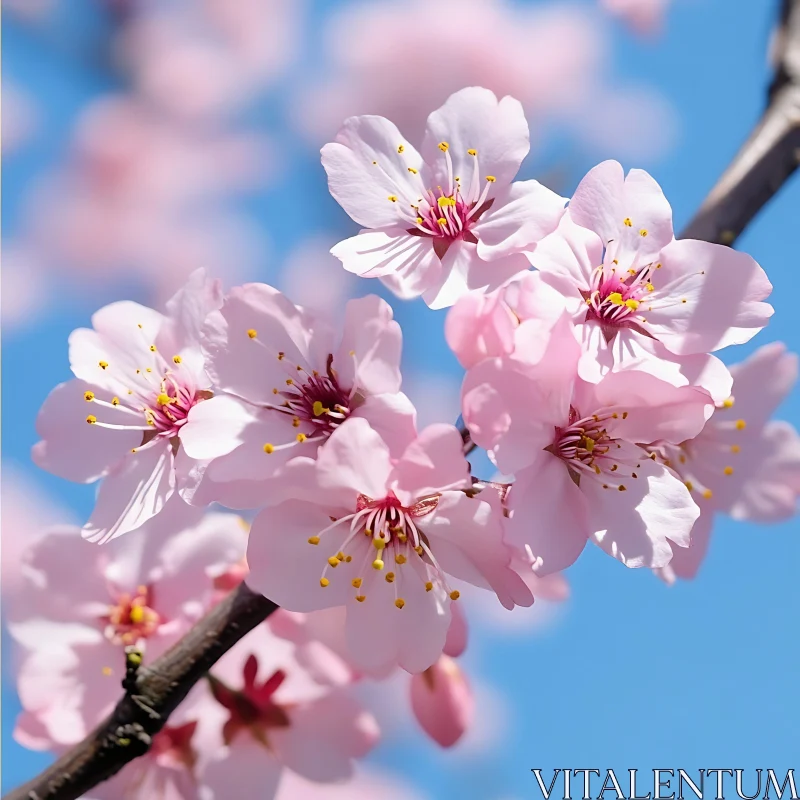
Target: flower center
pixel 385 532
pixel 253 708
pixel 131 618
pixel 157 399
pixel 174 745
pixel 614 297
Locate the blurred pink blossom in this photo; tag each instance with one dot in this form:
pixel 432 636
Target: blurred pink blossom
pixel 380 60
pixel 20 117
pixel 442 701
pixel 202 60
pixel 643 16
pixel 141 198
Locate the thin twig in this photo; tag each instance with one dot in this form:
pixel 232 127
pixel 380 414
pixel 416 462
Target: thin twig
pixel 152 693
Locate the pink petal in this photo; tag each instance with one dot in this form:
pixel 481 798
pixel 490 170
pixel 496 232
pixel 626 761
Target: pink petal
pixel 433 463
pixel 375 340
pixel 279 536
pixel 467 540
pixel 457 633
pixel 362 186
pixel 598 202
pixel 217 426
pixel 473 118
pixel 707 297
pixel 686 561
pixel 480 326
pixel 521 215
pixel 442 702
pixel 72 449
pixel 132 494
pixel 636 526
pixel 550 515
pixel 392 417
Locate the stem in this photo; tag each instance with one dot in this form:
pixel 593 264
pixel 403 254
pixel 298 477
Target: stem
pixel 152 693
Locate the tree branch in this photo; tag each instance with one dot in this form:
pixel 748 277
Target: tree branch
pixel 766 160
pixel 769 156
pixel 152 693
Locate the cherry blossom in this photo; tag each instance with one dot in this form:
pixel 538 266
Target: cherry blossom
pixel 637 295
pixel 138 375
pixel 285 380
pixel 742 463
pixel 573 446
pixel 442 701
pixel 272 715
pixel 144 590
pixel 446 220
pixel 381 538
pixel 643 16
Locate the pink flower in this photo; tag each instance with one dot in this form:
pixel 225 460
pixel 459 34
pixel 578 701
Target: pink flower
pixel 485 325
pixel 741 463
pixel 287 381
pixel 655 302
pixel 644 16
pixel 381 538
pixel 449 219
pixel 573 446
pixel 144 590
pixel 138 374
pixel 272 716
pixel 442 701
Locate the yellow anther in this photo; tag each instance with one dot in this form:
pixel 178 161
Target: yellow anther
pixel 472 152
pixel 446 201
pixel 689 485
pixel 115 401
pixel 588 444
pixel 301 437
pixel 615 298
pixel 340 556
pixel 684 300
pixel 418 550
pixel 650 287
pixel 352 353
pixel 444 146
pixel 412 170
pixel 356 583
pixel 727 403
pixel 379 544
pixel 624 415
pixel 399 602
pixel 442 221
pixel 102 364
pixel 91 419
pixel 147 369
pixel 740 424
pixel 377 564
pixel 176 359
pixel 348 559
pixel 107 671
pixel 269 448
pixel 400 148
pixel 627 222
pixel 643 232
pixel 420 220
pixel 735 448
pixel 152 348
pixel 164 399
pixel 455 594
pixel 88 396
pixel 622 488
pixel 728 470
pixel 392 198
pixel 491 178
pixel 708 494
pixel 400 559
pixel 428 586
pixel 252 333
pixel 313 539
pixel 333 561
pixel 139 325
pixel 318 408
pixel 390 577
pixel 289 382
pixel 136 614
pixel 632 304
pixel 296 422
pixel 323 582
pixel 361 598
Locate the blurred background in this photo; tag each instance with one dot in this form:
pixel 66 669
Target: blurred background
pixel 142 140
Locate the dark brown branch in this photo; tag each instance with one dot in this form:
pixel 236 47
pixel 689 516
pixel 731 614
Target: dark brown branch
pixel 152 693
pixel 769 156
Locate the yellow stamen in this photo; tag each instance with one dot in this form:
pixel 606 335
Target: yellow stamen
pixel 428 586
pixel 102 364
pixel 740 424
pixel 379 544
pixel 390 577
pixel 91 419
pixel 88 396
pixel 313 539
pixel 177 359
pixel 615 298
pixel 393 198
pixel 735 448
pixel 252 333
pixel 377 564
pixel 632 304
pixel 152 348
pixel 442 221
pixel 137 615
pixel 708 494
pixel 269 448
pixel 356 583
pixel 115 401
pixel 627 222
pixel 650 287
pixel 455 594
pixel 333 561
pixel 727 403
pixel 399 602
pixel 643 232
pixel 400 559
pixel 301 437
pixel 728 470
pixel 400 148
pixel 472 152
pixel 164 399
pixel 107 671
pixel 444 146
pixel 412 170
pixel 361 598
pixel 491 178
pixel 323 582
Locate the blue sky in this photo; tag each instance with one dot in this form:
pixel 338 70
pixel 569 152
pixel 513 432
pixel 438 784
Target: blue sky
pixel 635 674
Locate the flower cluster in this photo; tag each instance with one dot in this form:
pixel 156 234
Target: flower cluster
pixel 587 333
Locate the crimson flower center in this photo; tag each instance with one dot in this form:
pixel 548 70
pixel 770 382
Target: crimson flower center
pixel 614 299
pixel 131 617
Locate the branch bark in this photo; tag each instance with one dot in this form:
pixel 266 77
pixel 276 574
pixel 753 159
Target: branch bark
pixel 766 160
pixel 771 153
pixel 152 693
